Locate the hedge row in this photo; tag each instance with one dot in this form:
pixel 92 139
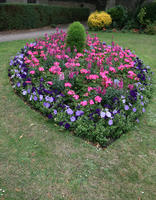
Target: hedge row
pixel 25 16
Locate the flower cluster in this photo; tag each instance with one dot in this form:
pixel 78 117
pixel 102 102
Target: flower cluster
pixel 99 20
pixel 98 93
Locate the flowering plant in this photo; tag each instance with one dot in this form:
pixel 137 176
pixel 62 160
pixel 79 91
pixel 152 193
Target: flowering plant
pixel 99 20
pixel 98 93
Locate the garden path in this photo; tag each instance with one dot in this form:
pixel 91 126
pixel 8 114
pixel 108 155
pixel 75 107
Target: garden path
pixel 32 33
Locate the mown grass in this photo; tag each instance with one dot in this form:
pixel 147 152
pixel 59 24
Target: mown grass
pixel 40 162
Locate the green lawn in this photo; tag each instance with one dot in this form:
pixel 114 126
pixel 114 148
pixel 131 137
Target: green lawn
pixel 40 162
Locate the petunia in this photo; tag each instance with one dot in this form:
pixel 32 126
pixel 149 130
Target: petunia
pixel 143 110
pixel 50 116
pixel 91 102
pixel 55 112
pixel 98 99
pixel 72 119
pixel 68 85
pixel 134 109
pixel 71 92
pixel 32 72
pixel 67 126
pixel 83 103
pixel 46 104
pixel 110 122
pixel 50 82
pixel 126 107
pixel 35 98
pixel 41 69
pixel 102 114
pixel 69 111
pixel 79 113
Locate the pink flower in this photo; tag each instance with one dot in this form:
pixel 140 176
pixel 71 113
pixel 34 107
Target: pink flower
pixel 86 94
pixel 130 86
pixel 121 84
pixel 121 67
pixel 32 72
pixel 76 96
pixel 28 81
pixel 77 64
pixel 61 76
pixel 98 99
pixel 91 102
pixel 112 69
pixel 68 85
pixel 103 74
pixel 92 77
pixel 84 71
pixel 41 69
pixel 35 60
pixel 89 89
pixel 71 92
pixel 83 103
pixel 50 82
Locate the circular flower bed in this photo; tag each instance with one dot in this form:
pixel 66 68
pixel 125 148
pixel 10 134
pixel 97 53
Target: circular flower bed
pixel 98 94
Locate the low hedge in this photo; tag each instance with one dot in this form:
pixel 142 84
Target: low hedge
pixel 25 16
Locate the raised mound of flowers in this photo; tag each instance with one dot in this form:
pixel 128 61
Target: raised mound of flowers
pixel 98 93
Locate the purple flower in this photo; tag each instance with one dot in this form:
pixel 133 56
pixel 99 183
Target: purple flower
pixel 30 98
pixel 35 98
pixel 61 123
pixel 134 109
pixel 143 110
pixel 55 111
pixel 102 114
pixel 46 104
pixel 18 84
pixel 69 111
pixel 50 99
pixel 79 113
pixel 115 111
pixel 28 90
pixel 72 119
pixel 50 116
pixel 142 103
pixel 24 92
pixel 110 122
pixel 126 107
pixel 67 126
pixel 108 114
pixel 137 120
pixel 11 62
pixel 41 97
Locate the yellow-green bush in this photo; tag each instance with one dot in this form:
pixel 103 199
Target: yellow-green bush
pixel 99 20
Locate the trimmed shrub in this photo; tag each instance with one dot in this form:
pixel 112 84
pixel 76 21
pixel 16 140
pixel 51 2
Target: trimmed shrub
pixel 25 16
pixel 76 36
pixel 119 16
pixel 99 20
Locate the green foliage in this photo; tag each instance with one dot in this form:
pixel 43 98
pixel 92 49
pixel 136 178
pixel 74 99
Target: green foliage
pixel 76 36
pixel 150 11
pixel 119 16
pixel 25 16
pixel 141 16
pixel 151 28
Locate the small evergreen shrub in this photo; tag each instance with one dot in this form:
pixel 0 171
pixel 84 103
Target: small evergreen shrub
pixel 76 36
pixel 99 20
pixel 119 16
